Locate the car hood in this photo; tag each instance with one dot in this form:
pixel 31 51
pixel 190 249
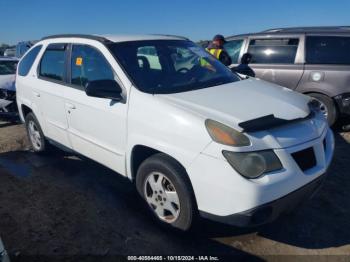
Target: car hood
pixel 7 82
pixel 242 101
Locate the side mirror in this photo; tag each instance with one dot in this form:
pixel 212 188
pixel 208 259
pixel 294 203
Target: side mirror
pixel 246 58
pixel 104 89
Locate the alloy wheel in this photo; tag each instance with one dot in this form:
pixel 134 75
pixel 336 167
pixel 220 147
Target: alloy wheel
pixel 162 197
pixel 34 135
pixel 323 108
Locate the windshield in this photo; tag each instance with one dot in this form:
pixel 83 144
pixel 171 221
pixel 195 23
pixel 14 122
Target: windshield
pixel 8 67
pixel 170 66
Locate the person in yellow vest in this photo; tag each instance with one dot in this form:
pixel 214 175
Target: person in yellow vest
pixel 216 48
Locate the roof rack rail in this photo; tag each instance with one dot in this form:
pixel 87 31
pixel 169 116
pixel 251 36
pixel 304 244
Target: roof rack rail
pixel 92 37
pixel 182 37
pixel 306 28
pixel 272 30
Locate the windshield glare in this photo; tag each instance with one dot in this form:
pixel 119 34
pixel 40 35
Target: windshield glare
pixel 170 66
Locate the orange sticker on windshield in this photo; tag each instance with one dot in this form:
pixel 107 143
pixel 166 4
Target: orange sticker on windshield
pixel 79 61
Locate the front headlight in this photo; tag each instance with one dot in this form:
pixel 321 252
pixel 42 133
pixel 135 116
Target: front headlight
pixel 225 135
pixel 253 164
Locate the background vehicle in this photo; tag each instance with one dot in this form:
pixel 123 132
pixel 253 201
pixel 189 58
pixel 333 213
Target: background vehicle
pixel 310 60
pixel 8 105
pixel 22 47
pixel 3 254
pixel 166 114
pixel 10 52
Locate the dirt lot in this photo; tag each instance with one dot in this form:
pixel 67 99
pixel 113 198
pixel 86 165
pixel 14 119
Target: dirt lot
pixel 60 206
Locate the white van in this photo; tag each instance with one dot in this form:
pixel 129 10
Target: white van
pixel 194 137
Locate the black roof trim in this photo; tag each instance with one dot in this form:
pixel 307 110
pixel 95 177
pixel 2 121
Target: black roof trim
pixel 91 37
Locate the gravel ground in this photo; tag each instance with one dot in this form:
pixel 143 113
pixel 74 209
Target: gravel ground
pixel 63 207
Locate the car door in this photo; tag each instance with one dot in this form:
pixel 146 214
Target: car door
pixel 277 59
pixel 48 92
pixel 97 126
pixel 327 65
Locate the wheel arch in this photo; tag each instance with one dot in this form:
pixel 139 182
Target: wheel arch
pixel 324 94
pixel 140 153
pixel 25 110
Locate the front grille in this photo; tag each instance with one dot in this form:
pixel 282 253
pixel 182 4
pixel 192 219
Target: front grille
pixel 305 159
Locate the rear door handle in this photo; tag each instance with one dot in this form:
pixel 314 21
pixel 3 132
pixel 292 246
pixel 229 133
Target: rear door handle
pixel 36 94
pixel 70 106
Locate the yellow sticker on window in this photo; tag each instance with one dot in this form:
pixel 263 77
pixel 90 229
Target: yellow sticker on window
pixel 79 61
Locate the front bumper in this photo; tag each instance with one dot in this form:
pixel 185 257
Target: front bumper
pixel 227 196
pixel 343 103
pixel 270 211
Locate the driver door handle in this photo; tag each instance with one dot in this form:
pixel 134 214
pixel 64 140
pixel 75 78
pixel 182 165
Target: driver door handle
pixel 70 106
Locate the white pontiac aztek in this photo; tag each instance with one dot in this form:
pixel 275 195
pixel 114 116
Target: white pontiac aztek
pixel 193 136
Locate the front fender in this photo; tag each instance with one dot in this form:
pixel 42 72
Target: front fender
pixel 184 155
pixel 156 124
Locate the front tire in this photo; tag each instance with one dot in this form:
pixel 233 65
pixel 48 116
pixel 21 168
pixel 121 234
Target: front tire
pixel 163 184
pixel 327 107
pixel 35 134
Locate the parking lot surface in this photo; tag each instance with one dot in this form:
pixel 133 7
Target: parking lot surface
pixel 61 205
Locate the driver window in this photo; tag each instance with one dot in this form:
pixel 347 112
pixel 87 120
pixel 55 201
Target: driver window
pixel 88 64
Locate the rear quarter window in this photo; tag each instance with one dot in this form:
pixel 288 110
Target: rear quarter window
pixel 52 64
pixel 273 51
pixel 328 50
pixel 27 61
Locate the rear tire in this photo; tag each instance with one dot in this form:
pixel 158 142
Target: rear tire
pixel 35 134
pixel 163 184
pixel 327 107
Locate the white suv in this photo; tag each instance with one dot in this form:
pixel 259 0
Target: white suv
pixel 194 137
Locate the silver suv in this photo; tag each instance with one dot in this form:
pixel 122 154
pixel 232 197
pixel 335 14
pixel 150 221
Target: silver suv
pixel 311 60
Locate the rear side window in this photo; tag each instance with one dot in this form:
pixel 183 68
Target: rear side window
pixel 273 51
pixel 28 60
pixel 233 48
pixel 88 64
pixel 52 65
pixel 327 50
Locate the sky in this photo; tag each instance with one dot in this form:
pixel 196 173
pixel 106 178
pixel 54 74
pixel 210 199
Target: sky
pixel 197 20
